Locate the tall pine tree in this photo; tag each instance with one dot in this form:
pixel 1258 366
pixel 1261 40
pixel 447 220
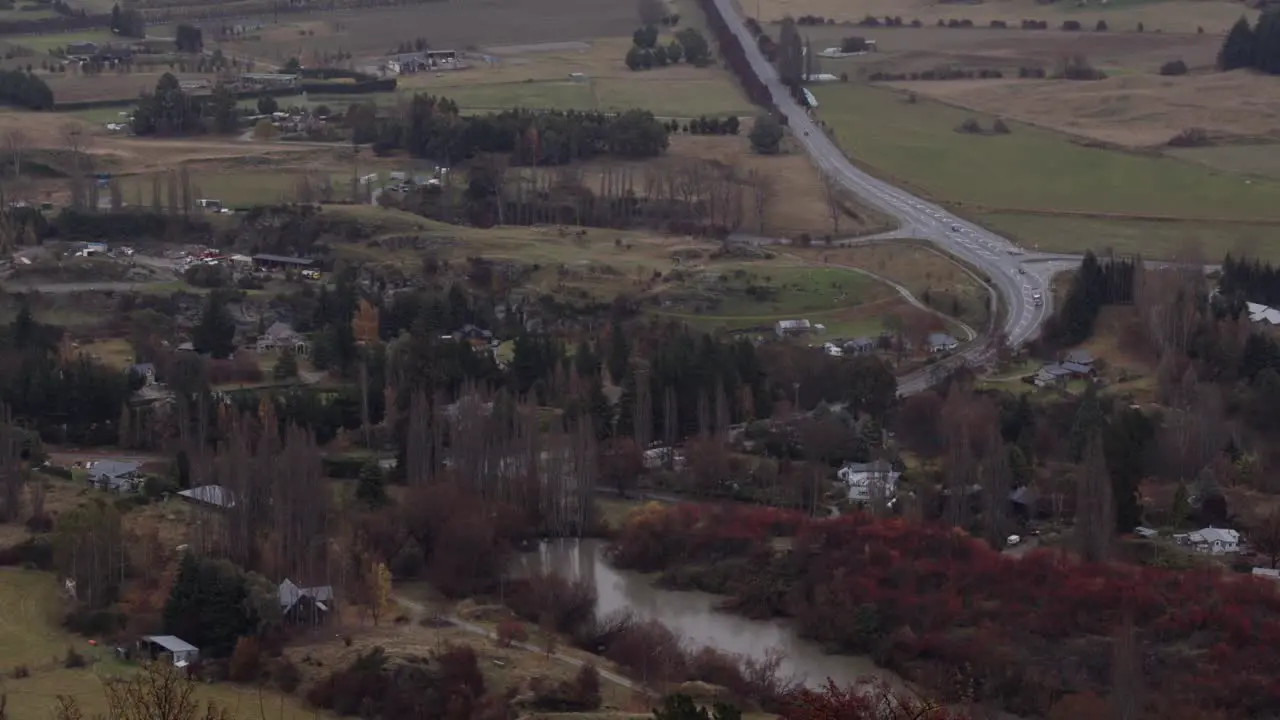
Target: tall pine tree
pixel 1240 48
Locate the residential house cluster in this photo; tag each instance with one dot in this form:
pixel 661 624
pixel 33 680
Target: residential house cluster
pixel 1211 540
pixel 1076 364
pixel 282 336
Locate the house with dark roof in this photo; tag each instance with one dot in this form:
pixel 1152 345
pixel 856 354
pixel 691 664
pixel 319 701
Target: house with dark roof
pixel 115 475
pixel 860 346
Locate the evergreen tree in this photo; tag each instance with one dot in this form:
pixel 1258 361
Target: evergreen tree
pixel 1240 47
pixel 222 108
pixel 1267 36
pixel 215 334
pixel 287 366
pixel 207 606
pixel 23 329
pixel 627 405
pixel 372 487
pixel 585 361
pixel 766 135
pixel 1089 419
pixel 1126 442
pixel 619 353
pixel 601 410
pixel 1180 511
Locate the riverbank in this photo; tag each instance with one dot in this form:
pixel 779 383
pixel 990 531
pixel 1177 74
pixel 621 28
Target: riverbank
pixel 697 616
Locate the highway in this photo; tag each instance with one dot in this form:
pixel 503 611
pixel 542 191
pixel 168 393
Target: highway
pixel 994 255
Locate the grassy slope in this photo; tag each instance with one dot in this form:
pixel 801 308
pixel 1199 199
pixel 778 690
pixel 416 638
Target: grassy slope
pixel 29 635
pixel 1030 168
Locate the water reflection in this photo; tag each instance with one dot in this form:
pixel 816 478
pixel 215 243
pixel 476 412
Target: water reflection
pixel 693 615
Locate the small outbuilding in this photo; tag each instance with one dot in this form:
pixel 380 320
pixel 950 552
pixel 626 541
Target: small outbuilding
pixel 181 652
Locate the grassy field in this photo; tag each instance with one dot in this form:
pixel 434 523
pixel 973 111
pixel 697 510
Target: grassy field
pixel 1256 160
pixel 41 44
pixel 1153 239
pixel 1029 169
pixel 447 25
pixel 1035 169
pixel 539 77
pixel 30 636
pixel 929 275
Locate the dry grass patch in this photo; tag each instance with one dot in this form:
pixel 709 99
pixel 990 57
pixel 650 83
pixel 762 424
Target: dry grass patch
pixel 1127 110
pixel 1174 16
pixel 503 668
pixel 534 77
pixel 68 87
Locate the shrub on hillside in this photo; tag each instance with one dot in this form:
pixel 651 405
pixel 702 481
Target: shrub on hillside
pixel 1070 25
pixel 246 661
pixel 511 631
pixel 569 604
pixel 1077 67
pixel 1191 137
pixel 73 659
pixel 1174 67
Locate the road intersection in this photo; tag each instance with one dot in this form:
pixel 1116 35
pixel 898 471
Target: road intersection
pixel 995 256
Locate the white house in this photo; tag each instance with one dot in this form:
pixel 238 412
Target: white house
pixel 868 480
pixel 1215 541
pixel 1267 573
pixel 941 342
pixel 1259 313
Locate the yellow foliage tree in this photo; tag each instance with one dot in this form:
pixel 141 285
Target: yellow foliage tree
pixel 379 591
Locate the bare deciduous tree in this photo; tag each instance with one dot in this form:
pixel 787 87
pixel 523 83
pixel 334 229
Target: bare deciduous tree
pixel 831 192
pixel 764 190
pixel 1095 514
pixel 15 142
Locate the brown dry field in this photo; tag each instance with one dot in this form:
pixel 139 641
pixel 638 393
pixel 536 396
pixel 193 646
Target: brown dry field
pixel 800 204
pixel 910 49
pixel 1134 107
pixel 458 25
pixel 1174 16
pixel 1131 110
pixel 69 87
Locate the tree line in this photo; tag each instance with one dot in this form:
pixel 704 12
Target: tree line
pixel 1253 47
pixel 1096 283
pixel 20 88
pixel 433 127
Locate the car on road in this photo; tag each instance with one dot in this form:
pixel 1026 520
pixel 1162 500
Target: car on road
pixel 955 228
pixel 1037 298
pixel 1022 270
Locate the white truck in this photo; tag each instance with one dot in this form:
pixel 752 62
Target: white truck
pixel 1037 298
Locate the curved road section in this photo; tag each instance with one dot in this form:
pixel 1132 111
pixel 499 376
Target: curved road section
pixel 998 257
